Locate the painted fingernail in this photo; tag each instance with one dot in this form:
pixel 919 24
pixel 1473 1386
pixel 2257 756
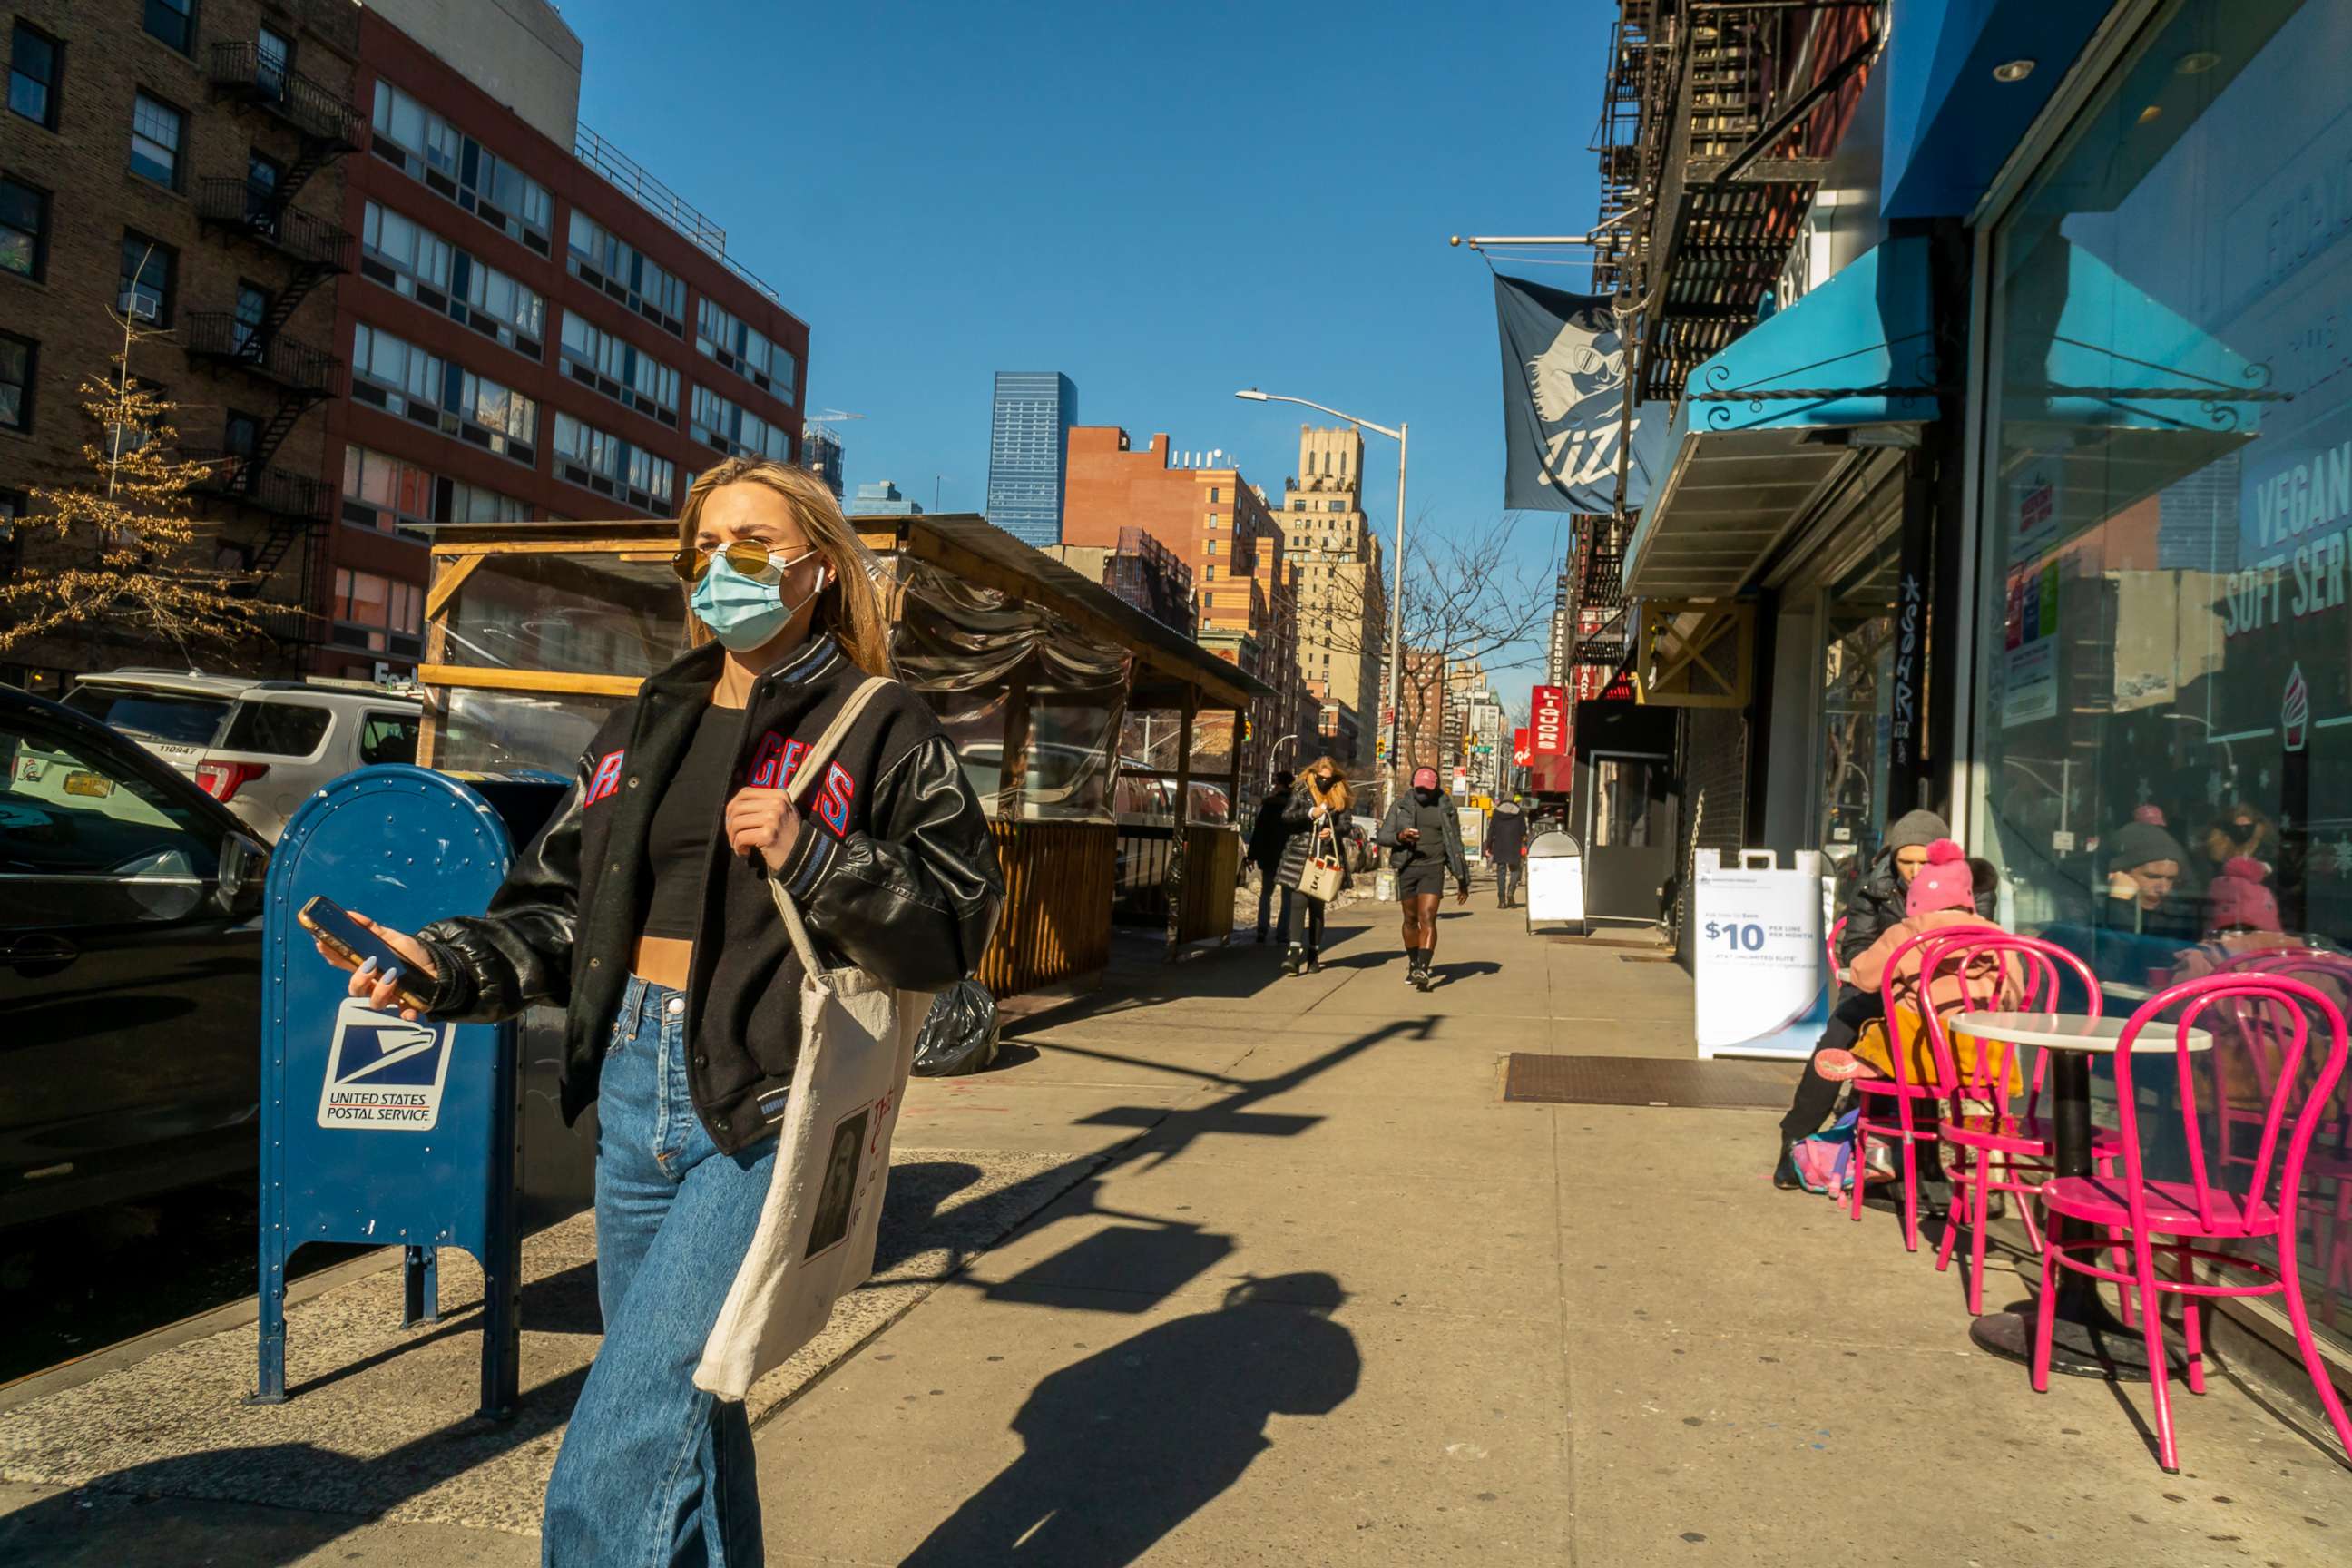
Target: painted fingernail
pixel 367 968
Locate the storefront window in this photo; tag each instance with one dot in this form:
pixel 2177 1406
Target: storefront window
pixel 2163 733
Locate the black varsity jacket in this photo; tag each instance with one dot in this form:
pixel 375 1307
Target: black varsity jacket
pixel 894 870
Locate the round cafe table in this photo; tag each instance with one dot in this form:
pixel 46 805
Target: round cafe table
pixel 2086 1340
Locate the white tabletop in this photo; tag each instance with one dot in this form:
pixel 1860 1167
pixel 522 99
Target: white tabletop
pixel 2074 1032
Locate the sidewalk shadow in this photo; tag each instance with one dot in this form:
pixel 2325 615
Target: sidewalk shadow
pixel 1447 973
pixel 1128 1444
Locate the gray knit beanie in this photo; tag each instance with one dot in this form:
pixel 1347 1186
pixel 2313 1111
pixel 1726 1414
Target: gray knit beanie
pixel 1919 828
pixel 2138 842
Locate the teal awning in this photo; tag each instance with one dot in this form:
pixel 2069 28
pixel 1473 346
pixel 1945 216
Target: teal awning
pixel 1788 415
pixel 1777 420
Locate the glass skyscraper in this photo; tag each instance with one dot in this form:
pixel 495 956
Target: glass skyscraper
pixel 1028 453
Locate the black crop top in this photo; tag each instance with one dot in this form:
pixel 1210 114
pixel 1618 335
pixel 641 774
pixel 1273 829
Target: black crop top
pixel 688 817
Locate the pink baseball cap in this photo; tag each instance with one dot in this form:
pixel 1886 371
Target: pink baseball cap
pixel 1424 778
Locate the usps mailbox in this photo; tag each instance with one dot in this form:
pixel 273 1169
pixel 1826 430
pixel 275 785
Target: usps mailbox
pixel 374 1128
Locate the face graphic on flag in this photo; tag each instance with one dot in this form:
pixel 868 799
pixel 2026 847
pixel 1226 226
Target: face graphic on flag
pixel 1585 360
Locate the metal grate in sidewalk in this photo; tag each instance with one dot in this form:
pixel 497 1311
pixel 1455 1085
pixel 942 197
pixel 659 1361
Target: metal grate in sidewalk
pixel 1646 1081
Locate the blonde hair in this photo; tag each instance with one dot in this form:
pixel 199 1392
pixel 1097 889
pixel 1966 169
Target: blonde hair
pixel 850 608
pixel 1340 788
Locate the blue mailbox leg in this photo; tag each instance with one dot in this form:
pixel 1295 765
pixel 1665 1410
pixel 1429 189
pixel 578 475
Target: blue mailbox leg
pixel 270 1376
pixel 420 1286
pixel 502 1237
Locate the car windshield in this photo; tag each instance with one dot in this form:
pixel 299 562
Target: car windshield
pixel 171 717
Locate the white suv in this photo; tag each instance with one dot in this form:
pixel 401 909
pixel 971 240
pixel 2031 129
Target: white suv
pixel 259 747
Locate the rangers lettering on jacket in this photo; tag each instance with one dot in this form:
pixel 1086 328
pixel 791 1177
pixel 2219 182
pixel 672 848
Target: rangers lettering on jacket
pixel 775 760
pixel 605 779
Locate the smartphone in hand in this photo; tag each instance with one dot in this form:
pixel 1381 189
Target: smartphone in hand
pixel 332 925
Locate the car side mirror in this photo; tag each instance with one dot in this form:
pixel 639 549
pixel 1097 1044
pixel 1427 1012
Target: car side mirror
pixel 244 863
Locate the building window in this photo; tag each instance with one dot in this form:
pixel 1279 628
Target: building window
pixel 377 613
pixel 400 378
pixel 273 60
pixel 16 361
pixel 24 229
pixel 156 129
pixel 1209 574
pixel 34 62
pixel 429 148
pixel 596 254
pixel 409 258
pixel 1213 494
pixel 253 303
pixel 603 462
pixel 619 369
pixel 737 431
pixel 173 22
pixel 461 502
pixel 143 289
pixel 748 353
pixel 395 375
pixel 384 493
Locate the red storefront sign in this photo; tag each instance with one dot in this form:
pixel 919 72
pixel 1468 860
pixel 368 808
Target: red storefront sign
pixel 1522 749
pixel 1548 724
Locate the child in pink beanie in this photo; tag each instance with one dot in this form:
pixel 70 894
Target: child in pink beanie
pixel 1942 896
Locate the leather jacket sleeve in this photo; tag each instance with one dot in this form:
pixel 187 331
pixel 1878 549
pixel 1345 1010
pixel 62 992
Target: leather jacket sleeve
pixel 913 902
pixel 1394 823
pixel 492 967
pixel 1456 860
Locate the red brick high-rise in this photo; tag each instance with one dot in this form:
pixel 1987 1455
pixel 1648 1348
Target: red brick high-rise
pixel 1243 587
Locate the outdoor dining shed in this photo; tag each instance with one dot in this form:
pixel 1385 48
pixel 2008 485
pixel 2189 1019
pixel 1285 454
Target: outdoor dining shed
pixel 1103 743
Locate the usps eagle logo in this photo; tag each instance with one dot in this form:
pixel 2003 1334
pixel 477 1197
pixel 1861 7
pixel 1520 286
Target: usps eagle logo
pixel 383 1073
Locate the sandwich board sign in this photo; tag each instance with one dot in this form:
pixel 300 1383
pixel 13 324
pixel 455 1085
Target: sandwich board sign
pixel 1762 970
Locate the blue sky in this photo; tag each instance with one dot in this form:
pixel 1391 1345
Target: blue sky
pixel 1166 203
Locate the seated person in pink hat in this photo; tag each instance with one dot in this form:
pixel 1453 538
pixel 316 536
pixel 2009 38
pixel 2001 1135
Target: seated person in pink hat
pixel 1942 896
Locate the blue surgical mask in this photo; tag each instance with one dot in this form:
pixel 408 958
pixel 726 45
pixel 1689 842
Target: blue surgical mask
pixel 744 613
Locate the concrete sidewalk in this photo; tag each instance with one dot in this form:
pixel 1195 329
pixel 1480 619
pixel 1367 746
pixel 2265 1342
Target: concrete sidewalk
pixel 1294 1286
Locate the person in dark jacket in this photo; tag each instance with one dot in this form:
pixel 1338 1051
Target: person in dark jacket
pixel 644 909
pixel 1423 839
pixel 1507 847
pixel 1875 903
pixel 1268 836
pixel 1314 817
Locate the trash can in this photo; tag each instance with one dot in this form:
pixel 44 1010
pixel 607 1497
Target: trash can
pixel 375 1128
pixel 1555 882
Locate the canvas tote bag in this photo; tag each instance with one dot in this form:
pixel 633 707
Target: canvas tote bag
pixel 823 1208
pixel 1321 878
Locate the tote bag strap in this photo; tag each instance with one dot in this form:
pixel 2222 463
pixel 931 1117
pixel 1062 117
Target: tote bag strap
pixel 804 779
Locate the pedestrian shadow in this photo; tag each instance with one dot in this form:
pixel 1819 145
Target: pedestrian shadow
pixel 1447 973
pixel 1124 1445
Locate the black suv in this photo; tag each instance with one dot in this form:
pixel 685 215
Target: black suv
pixel 129 971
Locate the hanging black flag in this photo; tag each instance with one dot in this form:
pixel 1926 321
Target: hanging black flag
pixel 1563 402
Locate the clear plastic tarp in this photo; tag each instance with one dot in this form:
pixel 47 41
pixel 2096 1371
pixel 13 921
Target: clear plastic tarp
pixel 966 647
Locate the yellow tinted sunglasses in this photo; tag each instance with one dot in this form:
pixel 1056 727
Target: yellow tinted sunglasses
pixel 749 556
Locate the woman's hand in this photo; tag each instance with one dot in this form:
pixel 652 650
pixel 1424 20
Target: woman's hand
pixel 2121 887
pixel 762 819
pixel 380 991
pixel 1320 812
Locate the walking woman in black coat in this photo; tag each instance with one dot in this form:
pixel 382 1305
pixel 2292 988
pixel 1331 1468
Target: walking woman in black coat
pixel 1317 810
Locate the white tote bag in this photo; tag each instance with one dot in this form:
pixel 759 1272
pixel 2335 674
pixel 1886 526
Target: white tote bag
pixel 823 1208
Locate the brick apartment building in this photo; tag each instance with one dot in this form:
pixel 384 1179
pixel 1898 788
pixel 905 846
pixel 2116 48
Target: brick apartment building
pixel 503 317
pixel 1245 590
pixel 190 167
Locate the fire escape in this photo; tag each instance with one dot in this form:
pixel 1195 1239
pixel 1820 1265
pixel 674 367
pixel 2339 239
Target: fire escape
pixel 1719 112
pixel 261 214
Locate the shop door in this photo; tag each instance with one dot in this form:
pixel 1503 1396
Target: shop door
pixel 1629 836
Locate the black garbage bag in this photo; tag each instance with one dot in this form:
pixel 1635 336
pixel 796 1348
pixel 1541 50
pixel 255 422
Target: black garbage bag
pixel 960 1034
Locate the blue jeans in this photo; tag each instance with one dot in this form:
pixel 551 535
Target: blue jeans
pixel 655 1473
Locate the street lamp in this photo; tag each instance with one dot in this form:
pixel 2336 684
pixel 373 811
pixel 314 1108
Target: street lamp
pixel 1396 595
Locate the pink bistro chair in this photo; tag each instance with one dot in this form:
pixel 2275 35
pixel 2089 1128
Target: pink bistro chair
pixel 1899 1094
pixel 1837 970
pixel 2331 1164
pixel 2175 1216
pixel 1981 1119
